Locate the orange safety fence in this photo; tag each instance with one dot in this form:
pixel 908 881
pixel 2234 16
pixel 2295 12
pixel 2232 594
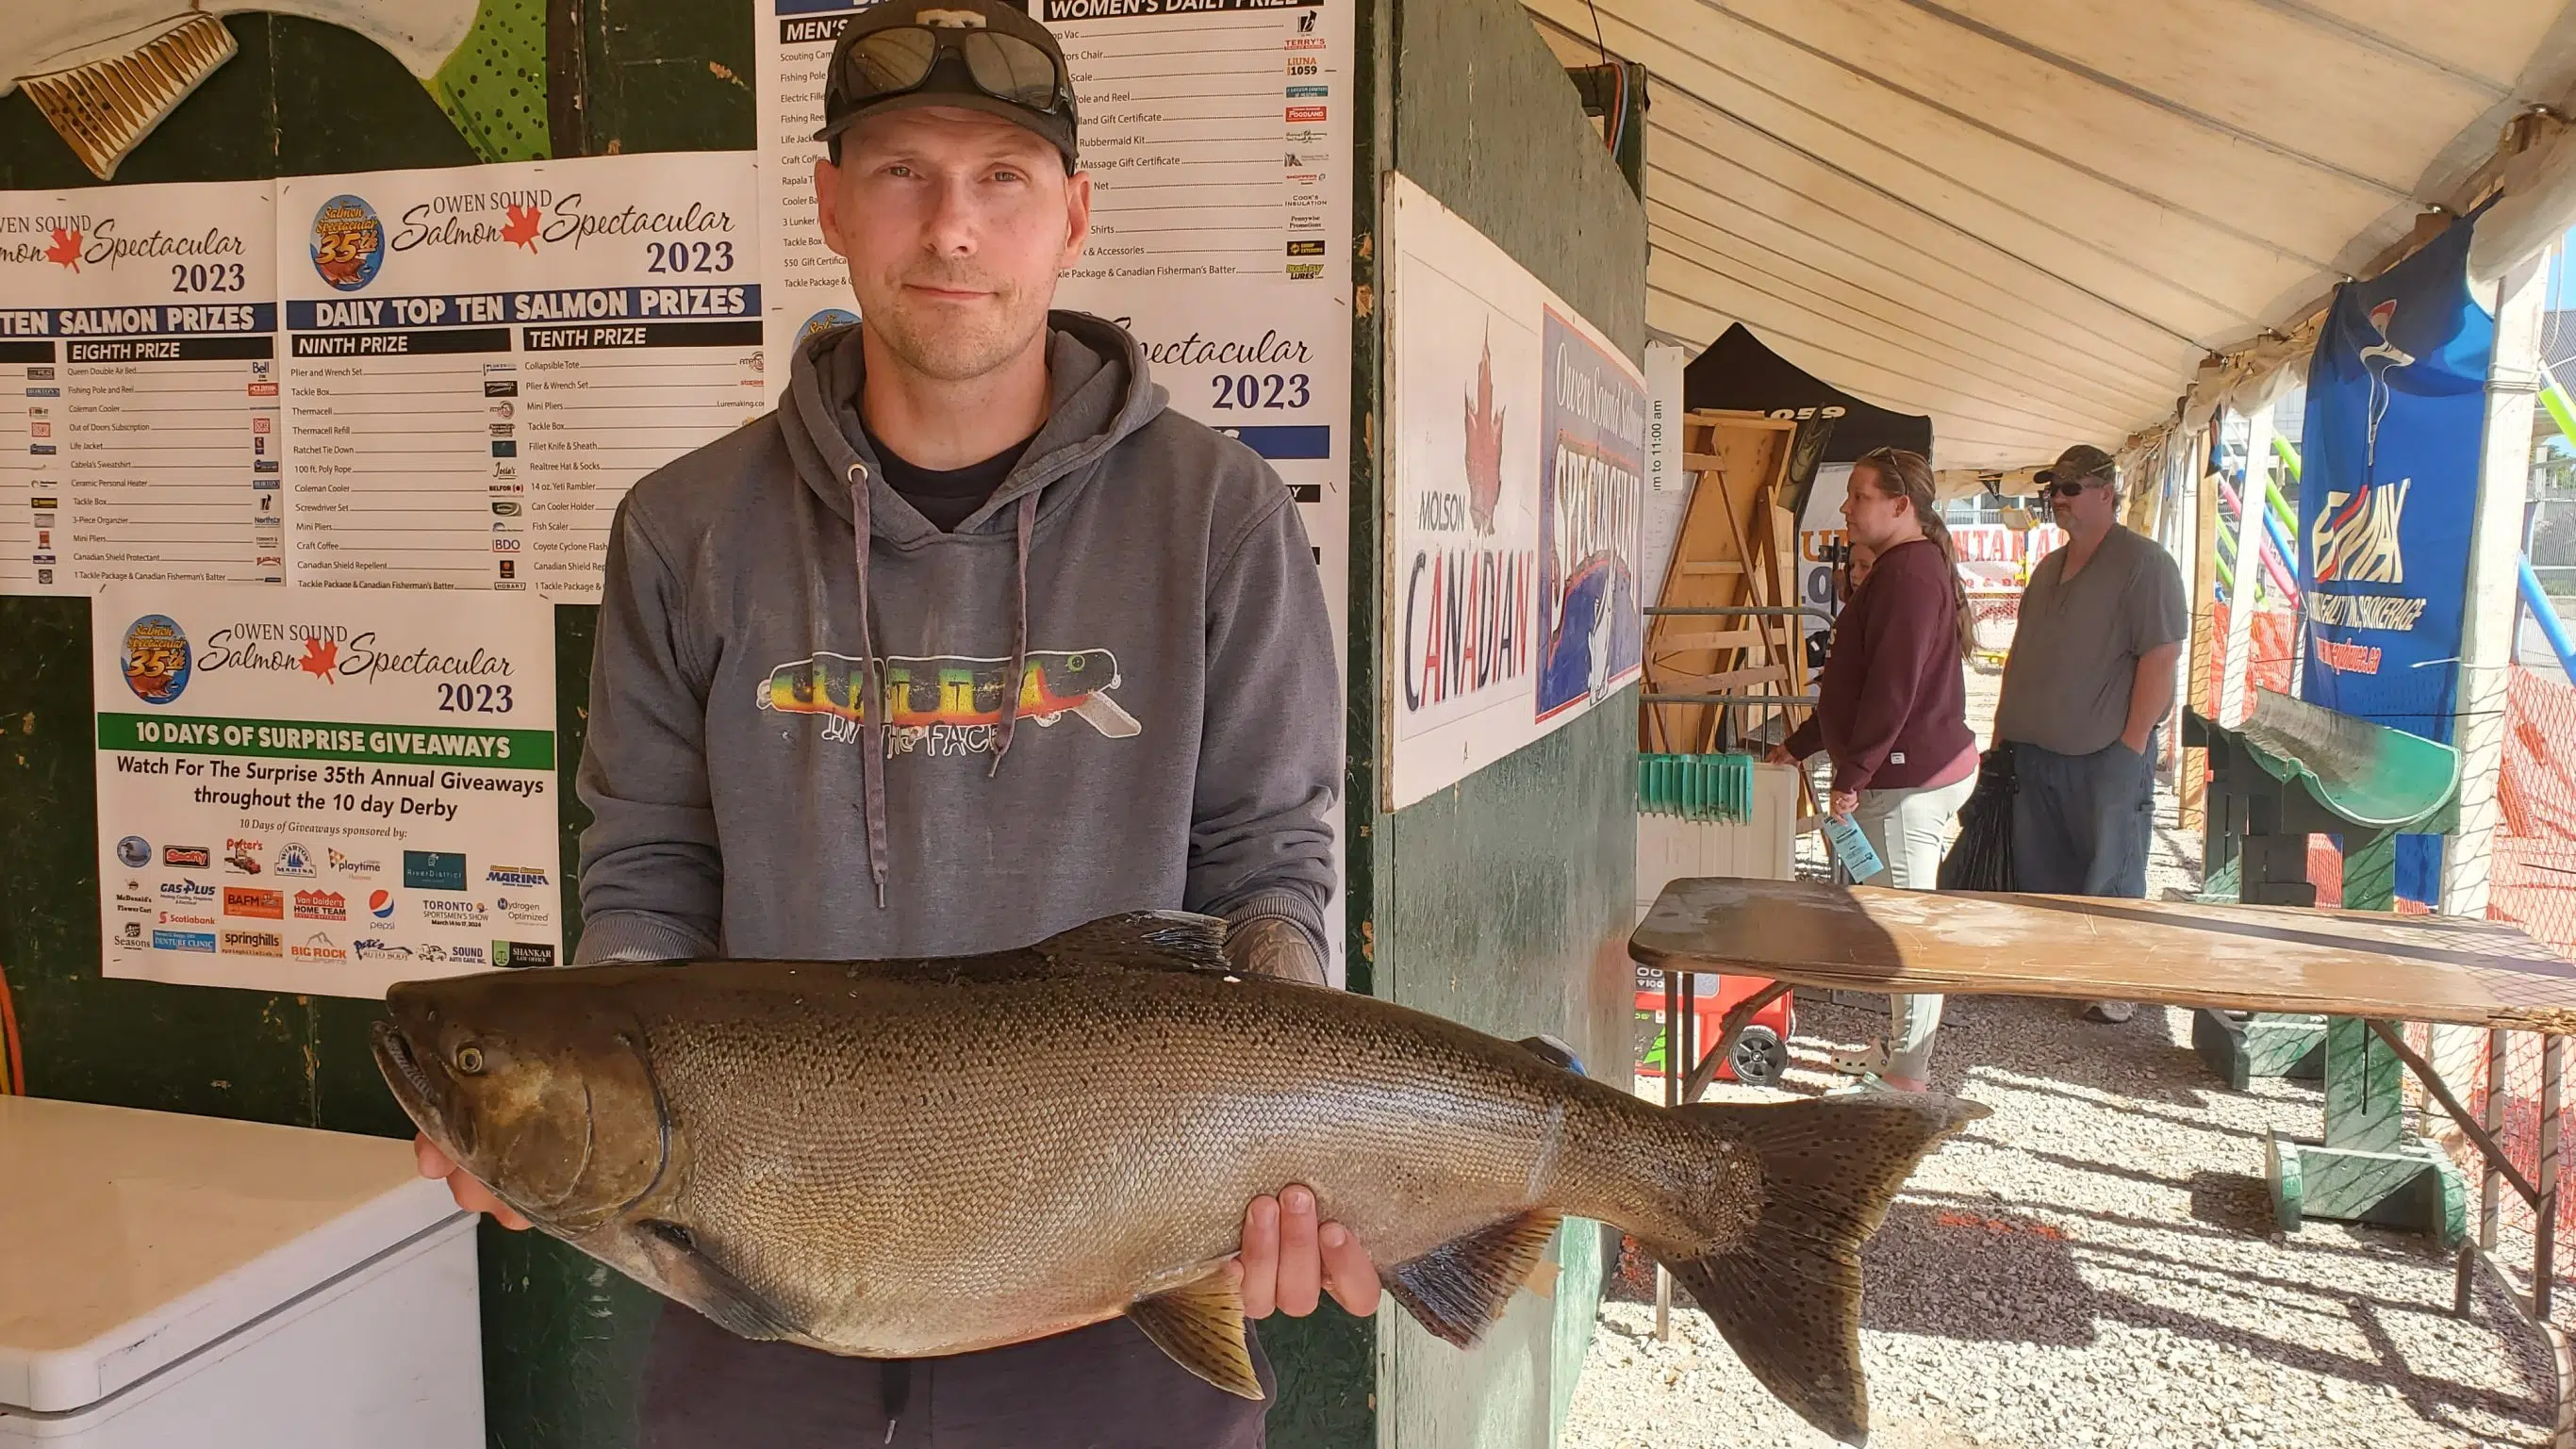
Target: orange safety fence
pixel 2272 650
pixel 2532 883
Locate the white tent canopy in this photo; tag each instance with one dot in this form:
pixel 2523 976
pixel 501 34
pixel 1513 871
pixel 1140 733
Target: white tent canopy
pixel 2035 219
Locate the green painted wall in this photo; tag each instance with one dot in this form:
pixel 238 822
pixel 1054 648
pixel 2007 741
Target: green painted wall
pixel 1513 937
pixel 1504 902
pixel 561 1333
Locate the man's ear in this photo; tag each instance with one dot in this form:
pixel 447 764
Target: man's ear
pixel 1077 211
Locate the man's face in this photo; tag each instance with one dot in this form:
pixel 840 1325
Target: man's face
pixel 2090 511
pixel 955 224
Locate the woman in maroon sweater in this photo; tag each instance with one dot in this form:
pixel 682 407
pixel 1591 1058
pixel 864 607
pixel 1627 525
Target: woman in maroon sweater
pixel 1891 711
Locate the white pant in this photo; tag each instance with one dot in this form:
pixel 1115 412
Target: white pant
pixel 1909 829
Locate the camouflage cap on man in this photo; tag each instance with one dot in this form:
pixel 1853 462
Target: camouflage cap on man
pixel 2077 464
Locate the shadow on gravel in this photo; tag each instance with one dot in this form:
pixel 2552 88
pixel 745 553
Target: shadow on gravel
pixel 1967 1270
pixel 1959 1274
pixel 2134 1063
pixel 2233 1201
pixel 1954 1272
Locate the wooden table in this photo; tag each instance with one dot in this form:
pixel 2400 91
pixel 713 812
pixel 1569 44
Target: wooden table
pixel 2368 966
pixel 2181 953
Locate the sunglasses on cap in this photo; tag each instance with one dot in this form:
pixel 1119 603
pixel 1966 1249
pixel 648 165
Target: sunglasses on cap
pixel 898 60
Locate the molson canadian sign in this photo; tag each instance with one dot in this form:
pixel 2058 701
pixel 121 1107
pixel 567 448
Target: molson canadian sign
pixel 1517 505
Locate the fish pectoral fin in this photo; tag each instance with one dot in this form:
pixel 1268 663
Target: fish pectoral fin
pixel 1459 1288
pixel 1164 940
pixel 697 1280
pixel 1201 1326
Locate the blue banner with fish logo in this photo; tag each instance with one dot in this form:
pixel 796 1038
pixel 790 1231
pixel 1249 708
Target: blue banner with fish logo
pixel 2388 499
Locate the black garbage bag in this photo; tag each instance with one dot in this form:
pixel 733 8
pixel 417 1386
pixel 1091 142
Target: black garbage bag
pixel 1981 859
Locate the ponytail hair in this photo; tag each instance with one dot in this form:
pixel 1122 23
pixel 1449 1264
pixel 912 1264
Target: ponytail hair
pixel 1908 475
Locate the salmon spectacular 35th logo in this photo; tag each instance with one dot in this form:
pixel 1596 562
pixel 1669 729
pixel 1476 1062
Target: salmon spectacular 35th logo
pixel 949 704
pixel 156 659
pixel 348 242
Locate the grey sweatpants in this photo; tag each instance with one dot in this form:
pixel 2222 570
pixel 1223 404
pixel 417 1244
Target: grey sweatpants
pixel 1102 1387
pixel 2082 823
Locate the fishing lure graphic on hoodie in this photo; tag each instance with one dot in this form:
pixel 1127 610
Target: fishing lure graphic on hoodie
pixel 950 704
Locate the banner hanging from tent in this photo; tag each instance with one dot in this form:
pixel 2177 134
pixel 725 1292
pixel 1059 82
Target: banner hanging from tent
pixel 2388 500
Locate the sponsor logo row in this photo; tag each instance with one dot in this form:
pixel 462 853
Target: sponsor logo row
pixel 422 870
pixel 322 946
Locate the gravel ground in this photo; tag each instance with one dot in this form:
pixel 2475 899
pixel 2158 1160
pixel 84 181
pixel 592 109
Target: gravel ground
pixel 2095 1265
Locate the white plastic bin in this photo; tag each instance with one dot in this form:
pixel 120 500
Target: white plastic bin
pixel 1762 848
pixel 172 1281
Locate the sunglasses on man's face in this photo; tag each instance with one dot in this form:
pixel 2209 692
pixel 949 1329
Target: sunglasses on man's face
pixel 2069 490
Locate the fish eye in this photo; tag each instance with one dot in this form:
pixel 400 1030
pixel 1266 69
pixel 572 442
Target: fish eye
pixel 469 1059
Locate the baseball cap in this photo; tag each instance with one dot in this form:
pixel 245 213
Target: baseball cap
pixel 981 55
pixel 2077 464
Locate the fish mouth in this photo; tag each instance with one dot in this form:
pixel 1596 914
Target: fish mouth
pixel 410 1083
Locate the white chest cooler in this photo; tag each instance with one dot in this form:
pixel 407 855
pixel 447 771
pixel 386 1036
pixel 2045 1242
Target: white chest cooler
pixel 172 1281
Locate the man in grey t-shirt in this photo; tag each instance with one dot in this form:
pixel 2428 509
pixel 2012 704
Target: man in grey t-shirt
pixel 2090 675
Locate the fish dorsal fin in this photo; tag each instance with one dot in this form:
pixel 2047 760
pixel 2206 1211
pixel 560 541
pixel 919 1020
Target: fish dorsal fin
pixel 1459 1288
pixel 1201 1326
pixel 1150 940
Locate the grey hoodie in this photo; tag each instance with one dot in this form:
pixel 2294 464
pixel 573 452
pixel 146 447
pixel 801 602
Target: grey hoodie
pixel 1174 742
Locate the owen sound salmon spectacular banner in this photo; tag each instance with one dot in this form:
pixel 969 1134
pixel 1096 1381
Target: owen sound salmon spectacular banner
pixel 2388 500
pixel 324 791
pixel 1517 497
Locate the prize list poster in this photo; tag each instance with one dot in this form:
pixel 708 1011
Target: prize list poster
pixel 481 361
pixel 138 386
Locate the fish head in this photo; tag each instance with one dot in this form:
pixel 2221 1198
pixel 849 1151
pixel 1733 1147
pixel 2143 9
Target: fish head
pixel 542 1091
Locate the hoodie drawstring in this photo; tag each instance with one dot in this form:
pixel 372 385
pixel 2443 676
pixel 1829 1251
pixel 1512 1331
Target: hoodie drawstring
pixel 1016 680
pixel 872 703
pixel 894 1389
pixel 872 696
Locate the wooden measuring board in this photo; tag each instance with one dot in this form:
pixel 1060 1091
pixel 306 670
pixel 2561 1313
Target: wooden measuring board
pixel 2082 948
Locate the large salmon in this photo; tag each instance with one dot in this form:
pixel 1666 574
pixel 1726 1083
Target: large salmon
pixel 905 1158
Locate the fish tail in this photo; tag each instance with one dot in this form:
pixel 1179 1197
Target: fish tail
pixel 1786 1292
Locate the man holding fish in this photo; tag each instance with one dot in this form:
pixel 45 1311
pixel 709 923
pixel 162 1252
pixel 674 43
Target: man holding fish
pixel 920 704
pixel 823 642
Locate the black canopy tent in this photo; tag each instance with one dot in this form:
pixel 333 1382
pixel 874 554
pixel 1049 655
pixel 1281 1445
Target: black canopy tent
pixel 1738 372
